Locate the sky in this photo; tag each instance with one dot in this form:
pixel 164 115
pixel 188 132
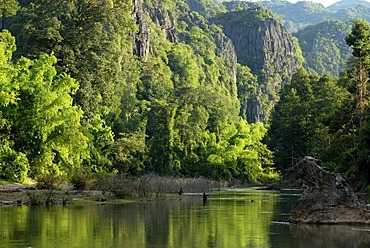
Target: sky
pixel 326 3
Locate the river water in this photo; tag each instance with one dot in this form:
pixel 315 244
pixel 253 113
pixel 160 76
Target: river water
pixel 234 218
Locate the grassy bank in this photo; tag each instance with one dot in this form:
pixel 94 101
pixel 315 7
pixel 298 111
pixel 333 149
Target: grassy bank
pixel 108 188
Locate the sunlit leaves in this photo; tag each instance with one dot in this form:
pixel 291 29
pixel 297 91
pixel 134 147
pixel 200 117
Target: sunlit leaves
pixel 46 120
pixel 8 7
pixel 173 111
pixel 239 154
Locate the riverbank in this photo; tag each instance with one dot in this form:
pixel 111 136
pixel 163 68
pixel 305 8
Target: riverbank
pixel 18 194
pixel 28 194
pixel 110 189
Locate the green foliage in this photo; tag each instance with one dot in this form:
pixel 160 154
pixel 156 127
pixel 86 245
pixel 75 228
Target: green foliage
pixel 41 130
pixel 91 40
pixel 8 88
pixel 247 14
pixel 324 48
pixel 207 8
pixel 183 63
pixel 8 46
pixel 298 15
pixel 304 121
pixel 353 12
pixel 129 153
pixel 45 119
pixel 81 178
pixel 96 105
pixel 359 38
pixel 8 8
pixel 248 92
pixel 302 14
pixel 238 153
pixel 14 165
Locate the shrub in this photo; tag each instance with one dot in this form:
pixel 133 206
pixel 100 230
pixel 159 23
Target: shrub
pixel 121 187
pixel 34 198
pixel 49 181
pixel 81 179
pixel 50 198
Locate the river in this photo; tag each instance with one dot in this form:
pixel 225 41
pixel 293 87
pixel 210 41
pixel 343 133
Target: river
pixel 233 218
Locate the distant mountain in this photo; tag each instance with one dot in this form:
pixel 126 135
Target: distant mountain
pixel 345 4
pixel 324 48
pixel 359 11
pixel 296 16
pixel 207 8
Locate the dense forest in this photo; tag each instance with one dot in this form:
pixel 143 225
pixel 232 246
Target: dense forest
pixel 123 87
pixel 324 47
pixel 135 87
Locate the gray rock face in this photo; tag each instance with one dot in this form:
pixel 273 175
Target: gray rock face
pixel 160 16
pixel 166 20
pixel 266 47
pixel 327 198
pixel 226 50
pixel 142 38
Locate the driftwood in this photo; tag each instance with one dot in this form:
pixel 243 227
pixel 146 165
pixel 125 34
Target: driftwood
pixel 327 197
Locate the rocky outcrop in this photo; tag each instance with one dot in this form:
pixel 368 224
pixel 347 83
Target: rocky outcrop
pixel 142 38
pixel 266 47
pixel 327 198
pixel 225 49
pixel 166 20
pixel 162 17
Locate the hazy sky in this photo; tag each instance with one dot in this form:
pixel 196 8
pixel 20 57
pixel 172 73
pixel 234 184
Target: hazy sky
pixel 326 3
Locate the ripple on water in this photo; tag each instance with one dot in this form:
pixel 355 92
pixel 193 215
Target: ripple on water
pixel 281 222
pixel 361 229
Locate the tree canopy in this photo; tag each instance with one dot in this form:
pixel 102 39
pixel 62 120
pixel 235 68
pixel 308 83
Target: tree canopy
pixel 77 95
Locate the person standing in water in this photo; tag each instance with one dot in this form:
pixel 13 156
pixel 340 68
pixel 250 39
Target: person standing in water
pixel 205 197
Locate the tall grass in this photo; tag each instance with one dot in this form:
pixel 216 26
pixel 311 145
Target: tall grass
pixel 152 185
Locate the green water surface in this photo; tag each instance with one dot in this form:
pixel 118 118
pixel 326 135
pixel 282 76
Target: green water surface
pixel 234 218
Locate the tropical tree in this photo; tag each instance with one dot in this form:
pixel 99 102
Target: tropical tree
pixel 7 8
pixel 358 40
pixel 46 123
pixel 306 120
pixel 41 131
pixel 14 165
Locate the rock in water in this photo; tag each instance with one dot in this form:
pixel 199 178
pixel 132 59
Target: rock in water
pixel 327 198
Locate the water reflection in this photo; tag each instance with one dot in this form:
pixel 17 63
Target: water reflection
pixel 238 218
pixel 330 236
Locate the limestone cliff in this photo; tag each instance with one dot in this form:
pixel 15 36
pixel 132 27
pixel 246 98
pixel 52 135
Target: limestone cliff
pixel 252 37
pixel 142 38
pixel 266 47
pixel 166 19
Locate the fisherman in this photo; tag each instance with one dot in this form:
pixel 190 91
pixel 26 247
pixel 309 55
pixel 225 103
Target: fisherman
pixel 205 196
